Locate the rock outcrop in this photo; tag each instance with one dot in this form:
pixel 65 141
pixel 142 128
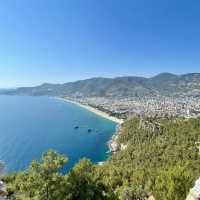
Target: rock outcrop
pixel 194 193
pixel 152 127
pixel 3 192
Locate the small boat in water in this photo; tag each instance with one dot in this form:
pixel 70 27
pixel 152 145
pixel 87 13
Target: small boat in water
pixel 89 130
pixel 76 127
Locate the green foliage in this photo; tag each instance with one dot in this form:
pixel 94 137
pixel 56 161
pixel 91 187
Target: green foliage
pixel 41 180
pixel 173 183
pixel 85 183
pixel 164 163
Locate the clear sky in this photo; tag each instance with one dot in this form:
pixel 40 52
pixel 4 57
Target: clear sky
pixel 66 40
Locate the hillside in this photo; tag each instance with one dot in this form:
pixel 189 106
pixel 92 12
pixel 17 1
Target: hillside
pixel 163 84
pixel 163 162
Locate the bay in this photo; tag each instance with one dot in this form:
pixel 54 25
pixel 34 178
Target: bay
pixel 29 126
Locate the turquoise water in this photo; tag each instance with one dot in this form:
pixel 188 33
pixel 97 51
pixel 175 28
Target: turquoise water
pixel 30 126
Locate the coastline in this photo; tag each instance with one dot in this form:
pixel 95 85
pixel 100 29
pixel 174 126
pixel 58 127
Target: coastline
pixel 94 110
pixel 112 143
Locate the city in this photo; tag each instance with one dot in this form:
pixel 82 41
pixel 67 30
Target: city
pixel 157 106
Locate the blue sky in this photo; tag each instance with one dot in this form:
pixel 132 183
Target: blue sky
pixel 66 40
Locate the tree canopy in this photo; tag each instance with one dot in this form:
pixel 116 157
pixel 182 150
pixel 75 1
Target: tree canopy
pixel 163 162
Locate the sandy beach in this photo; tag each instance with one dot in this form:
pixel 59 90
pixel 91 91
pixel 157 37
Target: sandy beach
pixel 94 110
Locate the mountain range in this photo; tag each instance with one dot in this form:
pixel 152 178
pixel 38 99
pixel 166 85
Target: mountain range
pixel 165 84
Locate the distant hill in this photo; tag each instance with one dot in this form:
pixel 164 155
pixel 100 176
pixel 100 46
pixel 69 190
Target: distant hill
pixel 164 84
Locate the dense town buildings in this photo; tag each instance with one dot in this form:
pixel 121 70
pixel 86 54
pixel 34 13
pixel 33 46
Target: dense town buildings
pixel 146 106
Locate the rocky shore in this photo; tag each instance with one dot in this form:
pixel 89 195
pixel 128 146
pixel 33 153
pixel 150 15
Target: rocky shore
pixel 113 144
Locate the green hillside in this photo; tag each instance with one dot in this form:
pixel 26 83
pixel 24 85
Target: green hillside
pixel 161 159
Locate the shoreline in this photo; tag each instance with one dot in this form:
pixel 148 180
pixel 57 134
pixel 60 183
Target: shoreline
pixel 112 143
pixel 93 110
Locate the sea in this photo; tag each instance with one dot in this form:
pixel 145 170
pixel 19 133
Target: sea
pixel 30 126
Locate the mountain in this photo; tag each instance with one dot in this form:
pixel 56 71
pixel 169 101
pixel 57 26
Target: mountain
pixel 165 84
pixel 3 91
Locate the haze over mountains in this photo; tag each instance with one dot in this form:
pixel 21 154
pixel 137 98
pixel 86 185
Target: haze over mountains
pixel 164 84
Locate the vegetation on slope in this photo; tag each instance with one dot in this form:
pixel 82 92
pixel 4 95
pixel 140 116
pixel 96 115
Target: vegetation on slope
pixel 162 163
